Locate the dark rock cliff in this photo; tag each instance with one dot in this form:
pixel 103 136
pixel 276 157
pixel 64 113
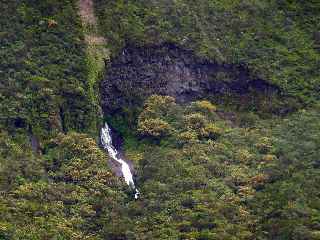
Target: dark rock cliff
pixel 139 72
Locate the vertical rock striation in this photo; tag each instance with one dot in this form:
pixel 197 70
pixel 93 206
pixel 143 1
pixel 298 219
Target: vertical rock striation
pixel 138 72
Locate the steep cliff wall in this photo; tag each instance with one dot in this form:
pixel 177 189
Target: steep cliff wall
pixel 169 70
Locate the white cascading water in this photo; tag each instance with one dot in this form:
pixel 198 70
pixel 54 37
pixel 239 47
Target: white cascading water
pixel 106 141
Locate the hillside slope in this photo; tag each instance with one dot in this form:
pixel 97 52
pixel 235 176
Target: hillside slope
pixel 277 40
pixel 231 153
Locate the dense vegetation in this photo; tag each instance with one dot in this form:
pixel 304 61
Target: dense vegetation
pixel 201 177
pixel 205 170
pixel 205 177
pixel 43 70
pixel 277 40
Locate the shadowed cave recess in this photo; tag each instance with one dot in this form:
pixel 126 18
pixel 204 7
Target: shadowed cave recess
pixel 138 72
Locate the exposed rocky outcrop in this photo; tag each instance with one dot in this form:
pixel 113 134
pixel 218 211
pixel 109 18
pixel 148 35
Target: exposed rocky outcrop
pixel 169 70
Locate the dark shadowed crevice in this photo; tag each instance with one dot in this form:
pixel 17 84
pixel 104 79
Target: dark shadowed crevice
pixel 62 119
pixel 138 72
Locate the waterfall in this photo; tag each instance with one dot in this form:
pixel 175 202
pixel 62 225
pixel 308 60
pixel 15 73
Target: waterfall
pixel 106 141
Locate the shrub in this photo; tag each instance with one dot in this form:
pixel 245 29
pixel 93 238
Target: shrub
pixel 246 191
pixel 17 163
pixel 264 145
pixel 195 121
pixel 244 156
pixel 269 158
pixel 204 106
pixel 157 106
pixel 259 180
pixel 186 137
pixel 211 131
pixel 239 176
pixel 77 158
pixel 154 128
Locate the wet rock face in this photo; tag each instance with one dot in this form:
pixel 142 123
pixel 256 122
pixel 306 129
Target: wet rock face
pixel 139 72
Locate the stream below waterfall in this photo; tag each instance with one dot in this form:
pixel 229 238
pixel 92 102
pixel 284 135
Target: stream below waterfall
pixel 106 140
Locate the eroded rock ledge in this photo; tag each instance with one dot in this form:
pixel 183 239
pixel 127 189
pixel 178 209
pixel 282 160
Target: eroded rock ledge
pixel 139 72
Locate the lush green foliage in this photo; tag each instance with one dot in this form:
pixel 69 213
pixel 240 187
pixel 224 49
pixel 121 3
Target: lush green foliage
pixel 62 195
pixel 238 183
pixel 277 40
pixel 204 171
pixel 43 72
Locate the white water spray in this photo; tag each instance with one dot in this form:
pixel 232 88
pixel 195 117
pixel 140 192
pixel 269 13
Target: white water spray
pixel 106 141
